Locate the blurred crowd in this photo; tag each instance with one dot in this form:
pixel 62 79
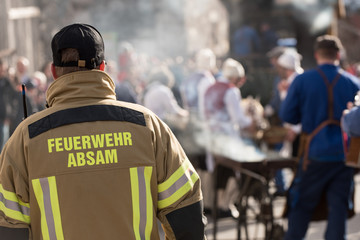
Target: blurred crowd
pixel 12 78
pixel 198 97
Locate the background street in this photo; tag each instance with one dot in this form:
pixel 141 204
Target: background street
pixel 227 226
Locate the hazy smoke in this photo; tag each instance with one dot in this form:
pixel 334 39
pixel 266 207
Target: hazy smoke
pixel 315 14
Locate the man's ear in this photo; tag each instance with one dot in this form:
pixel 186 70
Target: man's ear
pixel 338 55
pixel 53 71
pixel 102 66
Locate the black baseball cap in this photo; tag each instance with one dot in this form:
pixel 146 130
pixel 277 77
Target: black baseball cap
pixel 83 37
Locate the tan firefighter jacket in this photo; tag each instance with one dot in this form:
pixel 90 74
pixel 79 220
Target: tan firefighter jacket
pixel 90 167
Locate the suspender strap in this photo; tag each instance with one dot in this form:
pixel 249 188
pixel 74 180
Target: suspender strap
pixel 329 121
pixel 330 91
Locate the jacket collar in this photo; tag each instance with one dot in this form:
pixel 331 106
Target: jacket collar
pixel 83 87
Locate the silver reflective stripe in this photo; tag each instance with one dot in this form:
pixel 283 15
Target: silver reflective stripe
pixel 14 205
pixel 44 182
pixel 176 186
pixel 142 201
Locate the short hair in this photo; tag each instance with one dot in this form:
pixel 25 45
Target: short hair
pixel 328 46
pixel 69 55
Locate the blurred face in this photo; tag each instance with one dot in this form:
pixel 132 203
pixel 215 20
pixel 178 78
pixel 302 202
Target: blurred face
pixel 238 81
pixel 282 72
pixel 273 61
pixel 20 67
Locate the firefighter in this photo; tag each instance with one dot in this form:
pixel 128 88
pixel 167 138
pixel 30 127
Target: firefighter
pixel 90 167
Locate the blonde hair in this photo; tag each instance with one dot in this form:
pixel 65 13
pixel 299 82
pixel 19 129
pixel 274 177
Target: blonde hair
pixel 232 68
pixel 69 55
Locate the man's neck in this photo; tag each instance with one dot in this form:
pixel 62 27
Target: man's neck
pixel 328 61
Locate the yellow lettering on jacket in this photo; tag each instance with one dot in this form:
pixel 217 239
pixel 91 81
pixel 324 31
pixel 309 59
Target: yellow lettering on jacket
pixel 80 156
pixel 98 140
pixel 77 143
pixel 51 144
pixel 111 156
pixel 71 160
pixel 80 159
pixel 109 139
pixel 61 144
pixel 86 142
pixel 81 148
pixel 90 158
pixel 127 138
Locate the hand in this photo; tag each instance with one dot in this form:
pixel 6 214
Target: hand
pixel 290 135
pixel 252 128
pixel 349 106
pixel 283 86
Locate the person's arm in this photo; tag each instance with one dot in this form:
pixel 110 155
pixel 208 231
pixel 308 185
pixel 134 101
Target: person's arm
pixel 188 222
pixel 14 233
pixel 204 84
pixel 350 122
pixel 232 99
pixel 290 107
pixel 179 189
pixel 14 197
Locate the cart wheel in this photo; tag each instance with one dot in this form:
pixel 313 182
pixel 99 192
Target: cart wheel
pixel 258 210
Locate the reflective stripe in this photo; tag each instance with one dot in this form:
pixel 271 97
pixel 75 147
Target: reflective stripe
pixel 45 190
pixel 13 207
pixel 142 202
pixel 178 184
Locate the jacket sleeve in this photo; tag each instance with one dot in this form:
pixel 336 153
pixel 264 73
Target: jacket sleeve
pixel 14 197
pixel 188 223
pixel 179 192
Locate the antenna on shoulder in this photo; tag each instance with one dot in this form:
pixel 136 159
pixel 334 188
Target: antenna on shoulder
pixel 24 100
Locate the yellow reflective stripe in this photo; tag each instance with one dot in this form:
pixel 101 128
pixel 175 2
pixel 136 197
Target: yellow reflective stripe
pixel 174 177
pixel 40 199
pixel 56 207
pixel 142 202
pixel 45 190
pixel 135 202
pixel 13 207
pixel 149 203
pixel 12 197
pixel 179 193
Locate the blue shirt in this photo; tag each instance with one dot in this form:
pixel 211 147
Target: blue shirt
pixel 307 103
pixel 246 41
pixel 351 122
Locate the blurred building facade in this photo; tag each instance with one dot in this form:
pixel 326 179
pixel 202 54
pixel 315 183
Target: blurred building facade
pixel 20 34
pixel 170 28
pixel 156 27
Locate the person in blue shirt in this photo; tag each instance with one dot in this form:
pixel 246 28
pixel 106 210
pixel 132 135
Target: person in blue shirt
pixel 350 121
pixel 245 41
pixel 317 99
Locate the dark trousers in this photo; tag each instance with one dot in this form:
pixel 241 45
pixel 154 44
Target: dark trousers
pixel 333 179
